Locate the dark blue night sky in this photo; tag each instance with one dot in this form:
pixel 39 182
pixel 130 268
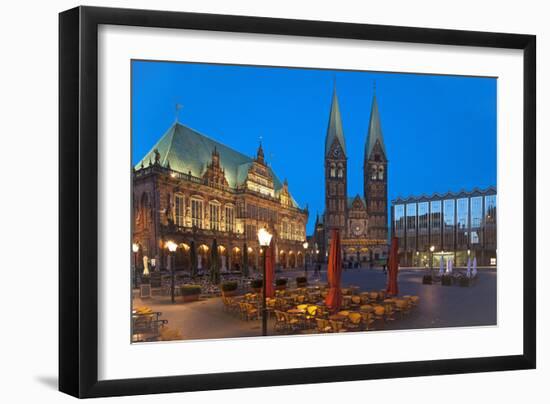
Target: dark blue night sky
pixel 440 131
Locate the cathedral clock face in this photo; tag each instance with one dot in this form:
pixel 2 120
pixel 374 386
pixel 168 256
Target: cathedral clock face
pixel 336 151
pixel 357 228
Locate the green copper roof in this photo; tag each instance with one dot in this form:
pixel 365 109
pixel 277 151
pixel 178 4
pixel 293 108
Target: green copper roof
pixel 335 129
pixel 188 150
pixel 375 130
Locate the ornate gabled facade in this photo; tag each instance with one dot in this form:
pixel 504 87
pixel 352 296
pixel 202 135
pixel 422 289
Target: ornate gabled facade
pixel 192 189
pixel 361 221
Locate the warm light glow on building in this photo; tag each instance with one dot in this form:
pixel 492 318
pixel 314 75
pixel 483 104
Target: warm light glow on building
pixel 172 247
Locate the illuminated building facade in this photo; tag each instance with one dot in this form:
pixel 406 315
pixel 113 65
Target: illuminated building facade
pixel 192 189
pixel 456 224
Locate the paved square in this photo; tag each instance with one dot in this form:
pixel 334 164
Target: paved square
pixel 439 306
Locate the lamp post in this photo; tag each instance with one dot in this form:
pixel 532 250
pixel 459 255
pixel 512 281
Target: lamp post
pixel 264 237
pixel 135 249
pixel 305 245
pixel 432 248
pixel 172 247
pixel 417 258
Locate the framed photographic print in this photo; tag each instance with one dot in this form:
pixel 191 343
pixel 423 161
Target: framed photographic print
pixel 251 201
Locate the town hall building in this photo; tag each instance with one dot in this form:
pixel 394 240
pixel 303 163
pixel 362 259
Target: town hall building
pixel 191 189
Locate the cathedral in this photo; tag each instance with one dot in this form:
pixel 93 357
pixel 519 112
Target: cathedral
pixel 361 220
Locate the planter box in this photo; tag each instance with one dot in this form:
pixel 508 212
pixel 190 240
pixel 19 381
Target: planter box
pixel 427 280
pixel 280 287
pixel 301 284
pixel 190 298
pixel 230 293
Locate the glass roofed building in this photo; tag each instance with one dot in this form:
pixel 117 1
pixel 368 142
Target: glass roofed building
pixel 455 224
pixel 192 189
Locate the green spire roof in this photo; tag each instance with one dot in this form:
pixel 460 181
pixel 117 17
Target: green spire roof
pixel 335 129
pixel 187 150
pixel 375 130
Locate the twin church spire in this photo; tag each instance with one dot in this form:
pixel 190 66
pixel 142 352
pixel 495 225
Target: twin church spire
pixel 375 167
pixel 335 130
pixel 374 136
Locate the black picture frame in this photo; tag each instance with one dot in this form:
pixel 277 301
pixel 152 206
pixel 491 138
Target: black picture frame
pixel 78 196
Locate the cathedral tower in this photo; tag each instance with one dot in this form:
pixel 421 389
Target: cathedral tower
pixel 335 171
pixel 375 173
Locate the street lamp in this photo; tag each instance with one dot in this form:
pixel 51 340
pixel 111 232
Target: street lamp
pixel 172 247
pixel 135 249
pixel 305 245
pixel 264 237
pixel 432 249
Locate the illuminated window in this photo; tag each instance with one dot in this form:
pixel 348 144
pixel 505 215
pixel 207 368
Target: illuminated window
pixel 179 210
pixel 332 170
pixel 229 219
pixel 214 216
pixel 197 213
pixel 380 172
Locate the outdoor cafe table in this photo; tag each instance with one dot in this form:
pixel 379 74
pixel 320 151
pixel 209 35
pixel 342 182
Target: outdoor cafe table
pixel 338 317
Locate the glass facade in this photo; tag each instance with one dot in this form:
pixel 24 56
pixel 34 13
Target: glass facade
pixel 458 225
pixel 411 226
pixel 435 223
pixel 490 225
pixel 476 219
pixel 462 220
pixel 448 224
pixel 423 228
pixel 399 224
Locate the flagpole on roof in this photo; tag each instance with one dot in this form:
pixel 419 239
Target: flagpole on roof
pixel 178 108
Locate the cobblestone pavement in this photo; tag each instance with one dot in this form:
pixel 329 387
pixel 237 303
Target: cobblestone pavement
pixel 439 306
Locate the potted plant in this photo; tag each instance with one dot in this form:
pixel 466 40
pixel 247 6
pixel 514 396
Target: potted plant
pixel 280 283
pixel 256 285
pixel 446 280
pixel 427 280
pixel 229 288
pixel 301 281
pixel 190 293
